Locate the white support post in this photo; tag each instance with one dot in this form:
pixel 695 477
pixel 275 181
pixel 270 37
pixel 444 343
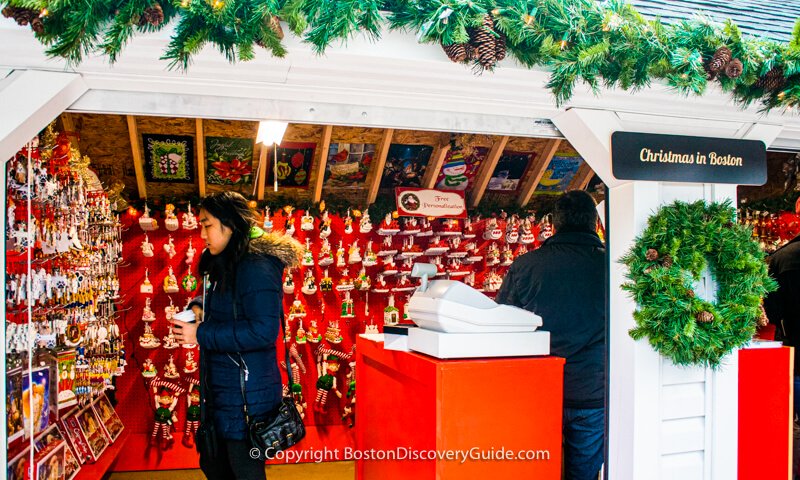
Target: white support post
pixel 664 421
pixel 31 100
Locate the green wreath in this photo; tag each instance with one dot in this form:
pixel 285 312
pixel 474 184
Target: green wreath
pixel 680 241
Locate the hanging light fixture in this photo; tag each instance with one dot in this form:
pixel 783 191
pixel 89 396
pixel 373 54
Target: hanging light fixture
pixel 271 132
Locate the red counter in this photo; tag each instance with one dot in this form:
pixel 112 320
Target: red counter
pixel 765 412
pixel 411 406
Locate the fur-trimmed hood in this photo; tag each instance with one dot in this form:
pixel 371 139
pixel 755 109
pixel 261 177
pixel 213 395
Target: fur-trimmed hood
pixel 285 247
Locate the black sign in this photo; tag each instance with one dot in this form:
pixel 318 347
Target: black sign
pixel 676 158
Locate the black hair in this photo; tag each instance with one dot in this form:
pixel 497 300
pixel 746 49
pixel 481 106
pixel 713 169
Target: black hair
pixel 575 211
pixel 231 209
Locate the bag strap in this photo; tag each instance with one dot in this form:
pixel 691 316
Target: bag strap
pixel 203 368
pixel 243 372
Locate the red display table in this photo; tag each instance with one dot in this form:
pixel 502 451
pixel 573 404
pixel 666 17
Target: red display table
pixel 765 412
pixel 494 418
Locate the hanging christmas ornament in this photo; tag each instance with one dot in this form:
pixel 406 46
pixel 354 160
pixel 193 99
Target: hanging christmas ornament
pixel 307 222
pixel 345 282
pixel 192 412
pixel 145 222
pixel 290 226
pixel 348 223
pixel 170 343
pixel 165 395
pixel 492 231
pixel 147 313
pixel 425 228
pixel 469 230
pixel 492 255
pixel 380 285
pixel 313 334
pixel 370 258
pixel 403 285
pixel 389 267
pixel 527 237
pixel 365 225
pixel 391 314
pixel 410 226
pixel 436 246
pixel 512 230
pixel 147 247
pixel 450 227
pixel 340 255
pixel 309 284
pixel 190 365
pixel 189 281
pixel 170 370
pixel 308 255
pixel 146 286
pixel 388 226
pixel 297 310
pixel 354 254
pixel 300 336
pixel 325 256
pixel 169 247
pixel 171 282
pixel 326 284
pixel 362 281
pixel 189 220
pixel 326 381
pixel 170 219
pixel 148 369
pixel 325 226
pixel 386 247
pixel 147 339
pixel 288 282
pixel 190 254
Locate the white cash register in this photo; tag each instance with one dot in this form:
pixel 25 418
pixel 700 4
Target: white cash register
pixel 457 321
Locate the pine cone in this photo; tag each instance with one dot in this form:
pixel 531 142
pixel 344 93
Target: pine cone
pixel 275 26
pixel 154 15
pixel 763 321
pixel 23 16
pixel 500 46
pixel 8 11
pixel 37 25
pixel 773 80
pixel 704 317
pixel 483 38
pixel 734 68
pixel 651 254
pixel 667 261
pixel 456 52
pixel 721 58
pixel 690 293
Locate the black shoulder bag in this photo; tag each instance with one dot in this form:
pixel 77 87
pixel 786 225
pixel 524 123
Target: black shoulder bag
pixel 205 438
pixel 284 427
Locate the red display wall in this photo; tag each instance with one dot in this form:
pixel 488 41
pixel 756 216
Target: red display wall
pixel 136 405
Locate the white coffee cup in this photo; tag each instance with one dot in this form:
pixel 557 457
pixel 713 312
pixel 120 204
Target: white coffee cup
pixel 187 316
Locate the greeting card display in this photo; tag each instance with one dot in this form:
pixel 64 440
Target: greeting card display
pixel 92 431
pixel 18 468
pixel 50 463
pixel 109 419
pixel 36 401
pixel 14 426
pixel 51 439
pixel 77 439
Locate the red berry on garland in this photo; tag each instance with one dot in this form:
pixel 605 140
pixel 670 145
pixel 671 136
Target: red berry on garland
pixel 651 254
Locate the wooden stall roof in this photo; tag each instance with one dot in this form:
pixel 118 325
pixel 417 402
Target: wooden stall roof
pixel 114 144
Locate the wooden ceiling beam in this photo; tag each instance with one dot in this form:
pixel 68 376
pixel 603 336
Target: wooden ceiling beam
pixel 486 170
pixel 540 164
pixel 138 160
pixel 582 177
pixel 324 147
pixel 378 166
pixel 201 157
pixel 436 161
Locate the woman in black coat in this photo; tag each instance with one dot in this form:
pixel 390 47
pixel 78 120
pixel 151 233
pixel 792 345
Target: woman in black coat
pixel 245 265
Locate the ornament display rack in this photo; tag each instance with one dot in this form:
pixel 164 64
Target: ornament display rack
pixel 771 230
pixel 63 247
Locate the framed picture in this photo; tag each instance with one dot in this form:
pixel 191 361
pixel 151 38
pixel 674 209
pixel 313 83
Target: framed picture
pixel 558 175
pixel 73 432
pixel 108 417
pixel 50 464
pixel 18 468
pixel 168 158
pixel 294 164
pixel 405 165
pixel 92 431
pixel 348 164
pixel 460 167
pixel 36 388
pixel 229 161
pixel 14 425
pixel 509 171
pixel 65 364
pixel 50 439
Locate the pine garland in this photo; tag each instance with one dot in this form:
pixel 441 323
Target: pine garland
pixel 680 241
pixel 597 43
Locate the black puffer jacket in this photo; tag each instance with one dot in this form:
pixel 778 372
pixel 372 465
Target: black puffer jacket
pixel 564 282
pixel 252 334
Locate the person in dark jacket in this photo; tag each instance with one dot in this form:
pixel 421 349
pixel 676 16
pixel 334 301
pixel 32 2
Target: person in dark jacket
pixel 245 265
pixel 564 281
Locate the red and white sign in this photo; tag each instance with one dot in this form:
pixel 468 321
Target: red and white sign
pixel 422 202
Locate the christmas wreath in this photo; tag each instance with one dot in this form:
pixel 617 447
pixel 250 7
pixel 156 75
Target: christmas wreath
pixel 682 240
